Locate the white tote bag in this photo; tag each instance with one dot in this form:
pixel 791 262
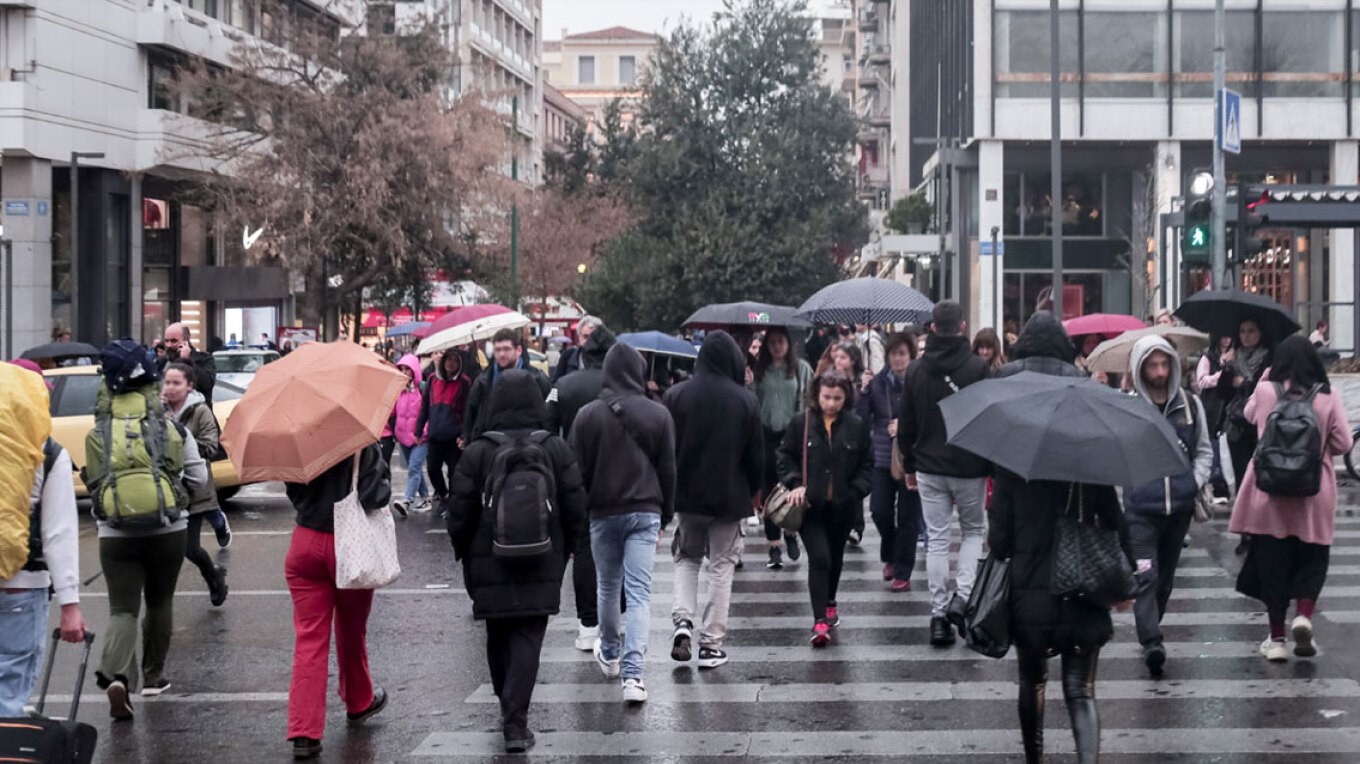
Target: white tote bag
pixel 365 542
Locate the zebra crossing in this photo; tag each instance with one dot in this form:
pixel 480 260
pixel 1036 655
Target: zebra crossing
pixel 881 692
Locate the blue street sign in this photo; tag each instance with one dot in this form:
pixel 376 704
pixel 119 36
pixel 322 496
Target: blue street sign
pixel 16 208
pixel 986 249
pixel 42 208
pixel 1230 122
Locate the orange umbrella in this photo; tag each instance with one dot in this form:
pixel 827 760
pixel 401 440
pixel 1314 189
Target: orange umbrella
pixel 309 410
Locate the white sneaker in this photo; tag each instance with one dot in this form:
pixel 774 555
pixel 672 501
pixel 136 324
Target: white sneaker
pixel 1304 645
pixel 634 691
pixel 610 669
pixel 1273 651
pixel 587 637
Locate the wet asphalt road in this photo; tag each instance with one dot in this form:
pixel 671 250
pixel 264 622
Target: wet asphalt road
pixel 880 692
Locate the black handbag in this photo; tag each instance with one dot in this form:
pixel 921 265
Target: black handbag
pixel 1089 564
pixel 987 618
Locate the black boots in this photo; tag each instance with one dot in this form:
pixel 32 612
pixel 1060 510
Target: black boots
pixel 941 633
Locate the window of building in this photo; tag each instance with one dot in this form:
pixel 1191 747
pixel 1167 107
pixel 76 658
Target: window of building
pixel 382 19
pixel 1083 210
pixel 1021 46
pixel 1125 54
pixel 160 84
pixel 1194 51
pixel 241 14
pixel 627 70
pixel 117 245
pixel 585 70
pixel 1302 54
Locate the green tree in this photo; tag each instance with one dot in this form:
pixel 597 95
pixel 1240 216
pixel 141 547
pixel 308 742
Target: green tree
pixel 738 174
pixel 910 214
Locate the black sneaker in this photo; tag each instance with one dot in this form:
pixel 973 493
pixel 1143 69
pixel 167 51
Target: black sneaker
pixel 217 588
pixel 791 541
pixel 120 704
pixel 379 703
pixel 681 643
pixel 224 539
pixel 1154 656
pixel 519 742
pixel 153 689
pixel 305 747
pixel 776 559
pixel 400 507
pixel 711 657
pixel 957 611
pixel 941 633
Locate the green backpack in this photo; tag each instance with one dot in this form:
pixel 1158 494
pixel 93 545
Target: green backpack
pixel 133 460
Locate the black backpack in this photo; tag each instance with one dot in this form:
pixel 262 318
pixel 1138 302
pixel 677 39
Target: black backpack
pixel 519 496
pixel 1289 457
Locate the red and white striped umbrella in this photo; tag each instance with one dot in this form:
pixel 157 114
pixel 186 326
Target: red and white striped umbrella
pixel 469 324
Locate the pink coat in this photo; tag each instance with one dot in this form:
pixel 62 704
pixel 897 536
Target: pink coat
pixel 1311 519
pixel 407 410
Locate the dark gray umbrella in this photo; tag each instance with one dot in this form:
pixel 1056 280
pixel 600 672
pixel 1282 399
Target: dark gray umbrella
pixel 1070 429
pixel 754 314
pixel 867 301
pixel 59 350
pixel 1220 312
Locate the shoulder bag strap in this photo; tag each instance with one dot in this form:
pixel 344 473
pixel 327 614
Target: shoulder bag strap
pixel 354 474
pixel 807 419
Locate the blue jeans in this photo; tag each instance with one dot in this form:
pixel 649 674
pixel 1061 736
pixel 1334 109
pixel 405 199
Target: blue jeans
pixel 415 471
pixel 23 627
pixel 624 547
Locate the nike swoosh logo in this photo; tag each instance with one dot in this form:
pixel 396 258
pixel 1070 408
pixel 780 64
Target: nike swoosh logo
pixel 248 239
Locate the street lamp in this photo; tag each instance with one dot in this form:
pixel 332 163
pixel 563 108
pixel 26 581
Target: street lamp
pixel 581 268
pixel 76 156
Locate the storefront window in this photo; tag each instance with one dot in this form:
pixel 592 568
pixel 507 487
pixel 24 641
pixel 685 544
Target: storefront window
pixel 1302 54
pixel 155 302
pixel 1082 206
pixel 116 246
pixel 62 276
pixel 1125 54
pixel 1021 42
pixel 1194 33
pixel 1030 291
pixel 158 240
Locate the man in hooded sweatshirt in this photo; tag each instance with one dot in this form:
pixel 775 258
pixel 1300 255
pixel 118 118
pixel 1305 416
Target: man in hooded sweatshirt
pixel 1044 348
pixel 1159 512
pixel 719 467
pixel 571 394
pixel 443 402
pixel 625 445
pixel 945 475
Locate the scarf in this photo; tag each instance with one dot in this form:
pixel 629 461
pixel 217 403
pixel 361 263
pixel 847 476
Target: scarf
pixel 1249 363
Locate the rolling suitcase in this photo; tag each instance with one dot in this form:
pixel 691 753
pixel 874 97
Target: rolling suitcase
pixel 40 740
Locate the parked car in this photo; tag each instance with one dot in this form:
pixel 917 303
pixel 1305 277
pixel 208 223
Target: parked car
pixel 74 392
pixel 238 366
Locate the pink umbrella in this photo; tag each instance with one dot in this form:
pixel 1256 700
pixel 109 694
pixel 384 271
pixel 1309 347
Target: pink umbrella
pixel 470 324
pixel 1108 325
pixel 459 316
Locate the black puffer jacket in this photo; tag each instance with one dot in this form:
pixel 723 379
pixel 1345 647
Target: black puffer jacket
pixel 503 588
pixel 844 462
pixel 575 390
pixel 1043 347
pixel 719 441
pixel 947 365
pixel 315 501
pixel 1023 520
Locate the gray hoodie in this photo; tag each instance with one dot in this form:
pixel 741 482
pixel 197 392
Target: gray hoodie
pixel 1185 413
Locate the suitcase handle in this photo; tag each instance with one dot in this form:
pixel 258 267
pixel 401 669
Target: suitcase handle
pixel 80 677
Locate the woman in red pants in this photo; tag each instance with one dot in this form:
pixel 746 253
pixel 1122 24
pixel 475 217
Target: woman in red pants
pixel 310 569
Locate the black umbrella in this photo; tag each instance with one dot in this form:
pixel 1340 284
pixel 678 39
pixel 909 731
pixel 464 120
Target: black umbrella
pixel 59 350
pixel 1220 312
pixel 1070 429
pixel 867 301
pixel 754 314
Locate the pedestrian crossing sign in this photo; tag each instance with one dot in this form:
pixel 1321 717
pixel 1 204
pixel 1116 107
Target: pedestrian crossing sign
pixel 1230 121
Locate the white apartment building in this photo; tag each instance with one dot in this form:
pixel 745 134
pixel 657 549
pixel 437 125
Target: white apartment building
pixel 595 68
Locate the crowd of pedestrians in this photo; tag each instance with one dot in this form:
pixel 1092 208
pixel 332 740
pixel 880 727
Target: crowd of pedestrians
pixel 587 469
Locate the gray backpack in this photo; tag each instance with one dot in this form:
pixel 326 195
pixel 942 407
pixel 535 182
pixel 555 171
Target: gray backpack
pixel 1288 459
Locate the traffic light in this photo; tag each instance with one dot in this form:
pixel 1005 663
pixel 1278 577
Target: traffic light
pixel 1251 217
pixel 1199 201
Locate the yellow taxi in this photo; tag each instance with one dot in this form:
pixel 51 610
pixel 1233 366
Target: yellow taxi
pixel 74 391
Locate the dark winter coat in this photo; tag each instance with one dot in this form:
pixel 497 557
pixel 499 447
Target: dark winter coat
pixel 719 441
pixel 315 501
pixel 1023 525
pixel 877 406
pixel 1044 348
pixel 478 397
pixel 843 462
pixel 575 390
pixel 921 433
pixel 205 371
pixel 443 404
pixel 625 443
pixel 531 586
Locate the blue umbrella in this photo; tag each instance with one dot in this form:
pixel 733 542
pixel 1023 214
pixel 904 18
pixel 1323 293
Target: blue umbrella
pixel 867 301
pixel 407 328
pixel 659 343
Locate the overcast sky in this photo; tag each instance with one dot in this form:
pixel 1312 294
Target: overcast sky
pixel 644 15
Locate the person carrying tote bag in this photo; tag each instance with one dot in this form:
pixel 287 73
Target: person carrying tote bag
pixel 328 538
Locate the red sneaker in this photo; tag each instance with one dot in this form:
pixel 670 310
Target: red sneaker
pixel 833 618
pixel 888 572
pixel 901 585
pixel 821 634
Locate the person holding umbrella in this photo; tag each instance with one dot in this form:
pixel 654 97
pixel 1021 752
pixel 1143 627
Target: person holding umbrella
pixel 1209 381
pixel 781 385
pixel 1249 359
pixel 1159 512
pixel 1290 536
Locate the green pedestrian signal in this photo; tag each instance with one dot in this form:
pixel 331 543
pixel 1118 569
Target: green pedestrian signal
pixel 1198 238
pixel 1195 243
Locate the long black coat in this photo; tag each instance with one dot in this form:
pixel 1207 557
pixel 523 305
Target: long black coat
pixel 845 461
pixel 503 588
pixel 1024 520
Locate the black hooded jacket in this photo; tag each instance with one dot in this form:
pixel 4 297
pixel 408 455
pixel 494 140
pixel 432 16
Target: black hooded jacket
pixel 719 442
pixel 625 443
pixel 573 391
pixel 947 365
pixel 475 415
pixel 315 501
pixel 1043 347
pixel 529 586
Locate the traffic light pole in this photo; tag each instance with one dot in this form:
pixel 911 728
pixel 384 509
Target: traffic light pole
pixel 1055 202
pixel 1217 238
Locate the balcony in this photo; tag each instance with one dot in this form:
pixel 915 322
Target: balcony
pixel 167 24
pixel 869 80
pixel 880 54
pixel 868 19
pixel 869 134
